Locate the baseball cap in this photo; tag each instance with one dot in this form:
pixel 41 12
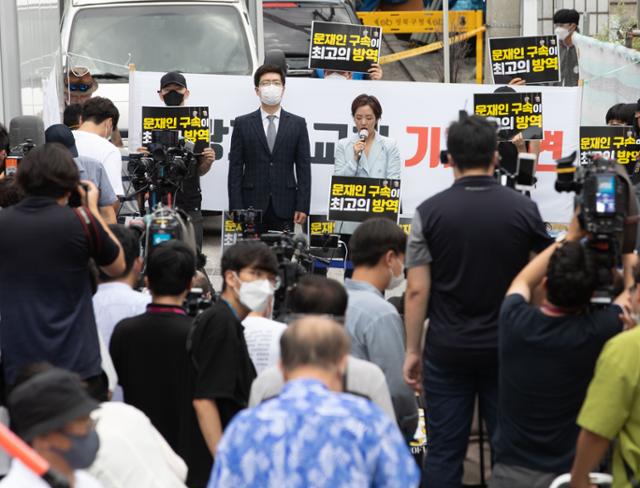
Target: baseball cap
pixel 566 16
pixel 173 77
pixel 62 134
pixel 47 402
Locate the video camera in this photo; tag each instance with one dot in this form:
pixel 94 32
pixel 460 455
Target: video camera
pixel 606 199
pixel 248 218
pixel 162 170
pixel 294 261
pixel 25 133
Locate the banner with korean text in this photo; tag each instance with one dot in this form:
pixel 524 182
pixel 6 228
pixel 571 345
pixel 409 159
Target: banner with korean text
pixel 415 114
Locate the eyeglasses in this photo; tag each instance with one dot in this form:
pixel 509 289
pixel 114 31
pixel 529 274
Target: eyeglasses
pixel 259 274
pixel 81 87
pixel 270 82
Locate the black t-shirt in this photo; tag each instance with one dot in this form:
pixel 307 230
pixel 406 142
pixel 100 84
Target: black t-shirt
pixel 221 370
pixel 546 364
pixel 190 197
pixel 479 236
pixel 150 356
pixel 45 288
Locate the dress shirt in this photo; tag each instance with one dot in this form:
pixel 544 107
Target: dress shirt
pixel 310 436
pixel 114 302
pixel 132 452
pixel 377 335
pixel 265 120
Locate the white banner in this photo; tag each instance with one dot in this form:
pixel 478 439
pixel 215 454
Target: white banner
pixel 415 114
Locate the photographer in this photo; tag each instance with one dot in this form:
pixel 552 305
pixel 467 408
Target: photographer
pixel 466 245
pixel 89 169
pixel 540 394
pixel 222 367
pixel 610 413
pixel 45 285
pixel 148 350
pixel 174 93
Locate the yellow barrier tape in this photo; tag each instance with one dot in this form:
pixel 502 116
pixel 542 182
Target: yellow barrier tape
pixel 421 21
pixel 434 46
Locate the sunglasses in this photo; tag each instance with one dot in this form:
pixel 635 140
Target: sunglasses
pixel 81 87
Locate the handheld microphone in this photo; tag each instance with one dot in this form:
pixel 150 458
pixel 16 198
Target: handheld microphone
pixel 362 135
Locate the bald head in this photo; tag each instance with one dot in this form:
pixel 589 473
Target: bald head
pixel 314 341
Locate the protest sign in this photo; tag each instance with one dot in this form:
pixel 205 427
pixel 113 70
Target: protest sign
pixel 535 59
pixel 611 142
pixel 344 47
pixel 166 125
pixel 513 112
pixel 356 199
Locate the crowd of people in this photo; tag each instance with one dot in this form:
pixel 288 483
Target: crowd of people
pixel 108 378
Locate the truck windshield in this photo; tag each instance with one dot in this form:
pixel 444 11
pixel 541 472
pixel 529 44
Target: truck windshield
pixel 287 25
pixel 208 39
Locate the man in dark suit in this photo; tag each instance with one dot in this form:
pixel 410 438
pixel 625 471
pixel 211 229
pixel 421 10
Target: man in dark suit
pixel 266 145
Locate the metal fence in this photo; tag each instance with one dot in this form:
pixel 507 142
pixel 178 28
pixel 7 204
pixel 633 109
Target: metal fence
pixel 594 14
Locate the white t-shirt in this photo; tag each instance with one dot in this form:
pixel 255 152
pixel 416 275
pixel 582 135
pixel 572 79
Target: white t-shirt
pixel 132 452
pixel 21 477
pixel 96 147
pixel 263 341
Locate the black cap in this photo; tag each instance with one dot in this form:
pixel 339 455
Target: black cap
pixel 566 16
pixel 47 402
pixel 62 134
pixel 173 77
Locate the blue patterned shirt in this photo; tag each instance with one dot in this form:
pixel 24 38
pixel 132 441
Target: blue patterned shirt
pixel 310 437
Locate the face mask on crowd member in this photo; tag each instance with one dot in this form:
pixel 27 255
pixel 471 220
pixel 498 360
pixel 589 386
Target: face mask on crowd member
pixel 337 75
pixel 173 89
pixel 563 31
pixel 255 289
pixel 270 87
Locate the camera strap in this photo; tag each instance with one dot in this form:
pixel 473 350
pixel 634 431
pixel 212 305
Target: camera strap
pixel 89 226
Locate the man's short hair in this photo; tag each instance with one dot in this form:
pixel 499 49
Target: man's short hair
pixel 313 341
pixel 373 239
pixel 71 115
pixel 245 254
pixel 130 241
pixel 472 142
pixel 265 69
pixel 571 276
pixel 170 268
pixel 318 295
pixel 566 16
pixel 4 138
pixel 48 171
pixel 99 109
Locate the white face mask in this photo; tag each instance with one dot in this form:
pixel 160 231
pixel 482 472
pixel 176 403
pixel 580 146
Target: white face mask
pixel 562 33
pixel 396 280
pixel 271 95
pixel 336 76
pixel 255 295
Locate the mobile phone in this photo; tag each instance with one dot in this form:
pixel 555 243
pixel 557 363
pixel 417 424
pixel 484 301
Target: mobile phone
pixel 526 171
pixel 11 166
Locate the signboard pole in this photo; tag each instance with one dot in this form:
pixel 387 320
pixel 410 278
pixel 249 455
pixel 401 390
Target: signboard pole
pixel 479 51
pixel 445 38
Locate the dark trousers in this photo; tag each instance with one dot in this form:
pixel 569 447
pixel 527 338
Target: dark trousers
pixel 450 392
pixel 197 220
pixel 270 221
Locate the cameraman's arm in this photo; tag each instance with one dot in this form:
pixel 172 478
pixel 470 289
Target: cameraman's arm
pixel 205 161
pixel 108 214
pixel 112 267
pixel 629 263
pixel 535 271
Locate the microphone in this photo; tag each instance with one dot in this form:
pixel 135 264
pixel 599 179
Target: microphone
pixel 362 135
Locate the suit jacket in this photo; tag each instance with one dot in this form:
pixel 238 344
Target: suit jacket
pixel 255 174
